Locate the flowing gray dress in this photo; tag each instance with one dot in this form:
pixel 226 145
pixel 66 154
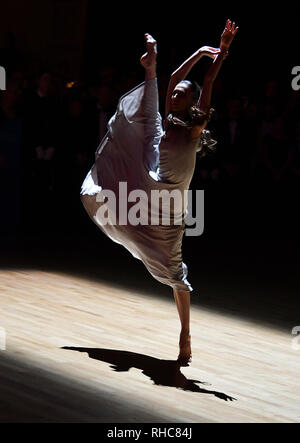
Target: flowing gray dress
pixel 137 152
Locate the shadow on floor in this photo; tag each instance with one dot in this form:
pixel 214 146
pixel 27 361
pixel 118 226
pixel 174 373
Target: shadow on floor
pixel 161 372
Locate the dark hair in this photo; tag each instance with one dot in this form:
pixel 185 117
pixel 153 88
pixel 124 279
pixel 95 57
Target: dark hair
pixel 197 116
pixel 195 88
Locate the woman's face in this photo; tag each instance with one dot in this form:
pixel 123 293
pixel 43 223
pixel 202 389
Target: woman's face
pixel 182 98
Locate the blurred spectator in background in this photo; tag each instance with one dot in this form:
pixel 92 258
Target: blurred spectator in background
pixel 101 106
pixel 273 147
pixel 41 113
pixel 277 153
pixel 106 103
pixel 230 139
pixel 295 167
pixel 75 155
pixel 10 159
pixel 10 57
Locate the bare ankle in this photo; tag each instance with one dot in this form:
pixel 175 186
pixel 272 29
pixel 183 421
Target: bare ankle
pixel 150 73
pixel 185 331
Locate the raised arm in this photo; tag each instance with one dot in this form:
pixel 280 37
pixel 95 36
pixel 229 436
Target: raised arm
pixel 183 70
pixel 226 39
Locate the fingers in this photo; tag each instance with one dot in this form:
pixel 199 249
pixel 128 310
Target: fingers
pixel 215 54
pixel 234 28
pixel 211 49
pixel 231 27
pixel 235 31
pixel 149 38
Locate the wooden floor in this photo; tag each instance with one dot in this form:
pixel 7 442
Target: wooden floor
pixel 78 350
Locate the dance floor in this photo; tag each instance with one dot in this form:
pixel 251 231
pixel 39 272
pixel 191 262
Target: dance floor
pixel 81 349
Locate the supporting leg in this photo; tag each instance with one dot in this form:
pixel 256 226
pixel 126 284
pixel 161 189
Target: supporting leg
pixel 182 299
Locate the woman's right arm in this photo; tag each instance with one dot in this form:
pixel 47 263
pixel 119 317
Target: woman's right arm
pixel 210 76
pixel 184 69
pixel 226 39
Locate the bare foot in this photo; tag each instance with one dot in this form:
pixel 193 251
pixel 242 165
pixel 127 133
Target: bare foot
pixel 185 351
pixel 148 60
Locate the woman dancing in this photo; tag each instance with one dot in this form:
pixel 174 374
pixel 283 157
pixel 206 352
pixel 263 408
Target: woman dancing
pixel 138 153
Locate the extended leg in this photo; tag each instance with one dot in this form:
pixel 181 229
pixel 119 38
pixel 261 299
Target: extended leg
pixel 148 60
pixel 150 106
pixel 182 299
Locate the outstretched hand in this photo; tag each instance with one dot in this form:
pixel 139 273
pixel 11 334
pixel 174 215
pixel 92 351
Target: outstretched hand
pixel 227 35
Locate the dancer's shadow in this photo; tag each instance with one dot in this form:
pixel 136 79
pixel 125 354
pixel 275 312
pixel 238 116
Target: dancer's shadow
pixel 162 372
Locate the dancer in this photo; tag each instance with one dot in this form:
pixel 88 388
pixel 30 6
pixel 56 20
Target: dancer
pixel 138 155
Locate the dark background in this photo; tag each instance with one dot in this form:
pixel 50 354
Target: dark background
pixel 248 254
